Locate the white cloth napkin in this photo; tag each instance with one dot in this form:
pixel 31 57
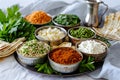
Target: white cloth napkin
pixel 111 66
pixel 11 70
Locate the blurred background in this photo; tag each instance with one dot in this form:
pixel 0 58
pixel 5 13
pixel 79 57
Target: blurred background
pixel 5 3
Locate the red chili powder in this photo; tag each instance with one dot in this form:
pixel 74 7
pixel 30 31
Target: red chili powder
pixel 65 55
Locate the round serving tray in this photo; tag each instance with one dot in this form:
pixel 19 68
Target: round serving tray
pixel 76 73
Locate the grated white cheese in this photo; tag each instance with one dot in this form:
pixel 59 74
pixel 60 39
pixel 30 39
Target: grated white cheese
pixel 51 34
pixel 91 47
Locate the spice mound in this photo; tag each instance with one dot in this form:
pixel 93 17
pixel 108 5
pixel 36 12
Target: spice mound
pixel 33 48
pixel 65 55
pixel 38 17
pixel 91 47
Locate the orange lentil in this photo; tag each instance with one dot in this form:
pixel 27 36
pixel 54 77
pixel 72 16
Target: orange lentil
pixel 65 55
pixel 38 17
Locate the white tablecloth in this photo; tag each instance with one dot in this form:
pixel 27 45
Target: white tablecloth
pixel 5 3
pixel 11 70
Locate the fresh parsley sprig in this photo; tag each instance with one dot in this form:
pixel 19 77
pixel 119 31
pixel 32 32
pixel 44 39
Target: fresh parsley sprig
pixel 13 26
pixel 87 65
pixel 45 68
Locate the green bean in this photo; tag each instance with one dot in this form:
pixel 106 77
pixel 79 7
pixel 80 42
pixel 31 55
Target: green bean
pixel 82 33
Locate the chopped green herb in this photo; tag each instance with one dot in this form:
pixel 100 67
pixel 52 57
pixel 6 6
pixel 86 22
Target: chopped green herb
pixel 67 19
pixel 34 47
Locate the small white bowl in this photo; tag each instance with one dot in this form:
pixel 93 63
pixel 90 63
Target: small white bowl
pixel 64 68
